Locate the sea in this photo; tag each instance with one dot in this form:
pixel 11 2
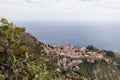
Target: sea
pixel 103 35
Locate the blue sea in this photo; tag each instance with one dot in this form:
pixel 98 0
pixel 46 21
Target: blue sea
pixel 102 35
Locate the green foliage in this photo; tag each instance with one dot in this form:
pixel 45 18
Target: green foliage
pixel 86 70
pixel 16 63
pixel 91 48
pixel 4 21
pixel 110 54
pixel 2 77
pixel 99 71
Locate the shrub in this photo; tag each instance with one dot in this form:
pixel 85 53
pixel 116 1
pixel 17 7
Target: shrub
pixel 110 54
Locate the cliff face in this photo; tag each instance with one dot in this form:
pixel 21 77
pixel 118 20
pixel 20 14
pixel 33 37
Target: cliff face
pixel 74 63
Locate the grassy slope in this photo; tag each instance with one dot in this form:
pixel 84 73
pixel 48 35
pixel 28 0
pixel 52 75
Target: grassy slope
pixel 99 71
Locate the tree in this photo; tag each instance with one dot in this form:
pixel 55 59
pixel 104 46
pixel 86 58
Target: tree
pixel 110 54
pixel 16 62
pixel 91 48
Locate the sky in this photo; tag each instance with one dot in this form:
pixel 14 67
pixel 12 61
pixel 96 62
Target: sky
pixel 61 10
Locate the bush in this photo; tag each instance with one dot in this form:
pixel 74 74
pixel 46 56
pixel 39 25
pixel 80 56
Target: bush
pixel 110 54
pixel 91 48
pixel 16 62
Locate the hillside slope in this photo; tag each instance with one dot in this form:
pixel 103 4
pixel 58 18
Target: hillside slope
pixel 23 57
pixel 77 63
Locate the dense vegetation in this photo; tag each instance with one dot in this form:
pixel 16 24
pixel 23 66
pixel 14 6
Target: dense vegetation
pixel 100 71
pixel 17 60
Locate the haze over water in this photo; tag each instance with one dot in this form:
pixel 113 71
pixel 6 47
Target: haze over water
pixel 101 35
pixel 50 13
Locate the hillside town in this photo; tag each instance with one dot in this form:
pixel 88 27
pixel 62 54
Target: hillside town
pixel 70 55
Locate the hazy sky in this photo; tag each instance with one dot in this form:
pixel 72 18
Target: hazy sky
pixel 61 10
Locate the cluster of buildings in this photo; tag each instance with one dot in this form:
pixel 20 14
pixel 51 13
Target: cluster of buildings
pixel 70 55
